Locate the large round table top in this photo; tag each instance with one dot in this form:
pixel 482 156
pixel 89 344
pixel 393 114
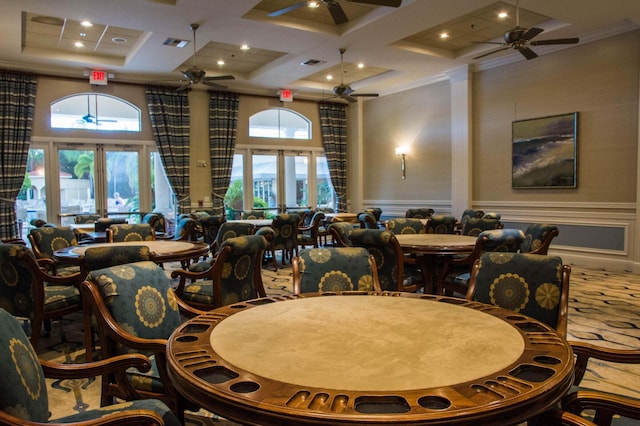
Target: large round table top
pixel 378 358
pixel 436 243
pixel 163 250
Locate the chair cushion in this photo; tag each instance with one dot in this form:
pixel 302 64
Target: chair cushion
pixel 144 404
pixel 343 269
pixel 60 296
pixel 23 391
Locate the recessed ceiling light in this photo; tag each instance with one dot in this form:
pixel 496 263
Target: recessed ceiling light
pixel 220 62
pixel 244 47
pixel 444 36
pixel 83 34
pixel 503 15
pixel 86 24
pixel 360 65
pixel 78 44
pixel 313 4
pixel 329 77
pixel 119 40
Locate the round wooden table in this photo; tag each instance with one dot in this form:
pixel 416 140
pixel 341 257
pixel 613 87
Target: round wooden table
pixel 356 359
pixel 163 250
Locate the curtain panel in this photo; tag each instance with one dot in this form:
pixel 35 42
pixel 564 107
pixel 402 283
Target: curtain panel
pixel 333 127
pixel 169 115
pixel 223 127
pixel 17 105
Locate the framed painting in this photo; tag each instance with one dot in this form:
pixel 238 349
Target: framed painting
pixel 544 152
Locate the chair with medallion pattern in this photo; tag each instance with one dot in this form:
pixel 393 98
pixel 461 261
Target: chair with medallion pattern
pixel 386 251
pixel 367 220
pixel 47 239
pixel 475 225
pixel 103 223
pixel 23 389
pixel 136 310
pixel 86 218
pixel 27 291
pixel 235 275
pixel 157 222
pixel 130 232
pixel 403 225
pixel 538 238
pixel 252 214
pixel 340 232
pixel 309 235
pixel 441 224
pixel 330 269
pixel 285 227
pixel 419 213
pixel 210 225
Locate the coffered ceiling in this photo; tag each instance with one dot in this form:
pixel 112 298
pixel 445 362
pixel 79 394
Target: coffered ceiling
pixel 387 49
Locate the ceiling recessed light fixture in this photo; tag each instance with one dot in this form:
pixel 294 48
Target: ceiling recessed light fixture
pixel 329 77
pixel 244 47
pixel 360 65
pixel 503 15
pixel 313 4
pixel 444 35
pixel 119 40
pixel 86 24
pixel 220 62
pixel 78 44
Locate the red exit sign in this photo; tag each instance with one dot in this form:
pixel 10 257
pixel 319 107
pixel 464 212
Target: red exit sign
pixel 286 95
pixel 98 77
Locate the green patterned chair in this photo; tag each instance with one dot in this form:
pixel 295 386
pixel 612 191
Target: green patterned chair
pixel 27 291
pixel 330 269
pixel 252 214
pixel 441 224
pixel 403 225
pixel 136 311
pixel 455 271
pixel 103 256
pixel 340 232
pixel 285 227
pixel 47 239
pixel 130 232
pixel 538 238
pixel 210 225
pixel 309 235
pixel 23 389
pixel 104 222
pixel 186 230
pixel 468 214
pixel 367 220
pixel 419 213
pixel 86 218
pixel 475 225
pixel 234 276
pixel 227 230
pixel 386 251
pixel 157 222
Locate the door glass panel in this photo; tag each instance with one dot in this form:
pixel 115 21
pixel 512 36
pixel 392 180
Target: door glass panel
pixel 162 196
pixel 325 192
pixel 265 181
pixel 31 202
pixel 77 183
pixel 123 185
pixel 296 180
pixel 233 199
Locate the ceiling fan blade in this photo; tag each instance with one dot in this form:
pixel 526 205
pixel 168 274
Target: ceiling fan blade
pixel 219 77
pixel 491 52
pixel 214 85
pixel 528 53
pixel 364 95
pixel 574 40
pixel 337 13
pixel 388 3
pixel 288 9
pixel 350 99
pixel 531 33
pixel 186 86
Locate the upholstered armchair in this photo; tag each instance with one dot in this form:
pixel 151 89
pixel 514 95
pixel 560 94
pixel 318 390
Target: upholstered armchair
pixel 86 218
pixel 46 240
pixel 136 310
pixel 210 225
pixel 403 225
pixel 186 230
pixel 538 238
pixel 23 388
pixel 533 285
pixel 285 227
pixel 386 251
pixel 367 220
pixel 157 222
pixel 103 256
pixel 441 224
pixel 234 275
pixel 309 235
pixel 104 222
pixel 130 232
pixel 330 269
pixel 231 230
pixel 474 226
pixel 419 213
pixel 252 214
pixel 455 271
pixel 26 290
pixel 340 232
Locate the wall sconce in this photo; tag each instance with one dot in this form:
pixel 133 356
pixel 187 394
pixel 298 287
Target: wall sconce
pixel 402 153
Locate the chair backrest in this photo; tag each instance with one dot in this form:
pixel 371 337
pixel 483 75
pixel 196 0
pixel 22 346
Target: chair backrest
pixel 186 229
pixel 419 213
pixel 531 284
pixel 469 213
pixel 210 226
pixel 403 225
pixel 241 276
pixel 375 211
pixel 104 256
pixel 46 240
pixel 130 232
pixel 285 227
pixel 103 223
pixel 538 238
pixel 23 386
pixel 86 218
pixel 475 225
pixel 18 280
pixel 502 240
pixel 330 269
pixel 157 222
pixel 253 214
pixel 492 215
pixel 441 224
pixel 367 220
pixel 267 232
pixel 386 251
pixel 138 295
pixel 340 232
pixel 231 230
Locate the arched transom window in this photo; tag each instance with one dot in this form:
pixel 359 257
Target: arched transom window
pixel 95 111
pixel 279 123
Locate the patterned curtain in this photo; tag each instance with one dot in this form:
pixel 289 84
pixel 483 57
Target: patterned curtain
pixel 223 126
pixel 333 126
pixel 169 114
pixel 17 104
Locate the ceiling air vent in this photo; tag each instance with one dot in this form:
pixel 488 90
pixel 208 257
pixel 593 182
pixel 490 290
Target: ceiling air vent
pixel 312 62
pixel 176 42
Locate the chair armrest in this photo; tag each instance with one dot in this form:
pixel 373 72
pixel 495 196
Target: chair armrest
pixel 55 370
pixel 606 405
pixel 584 351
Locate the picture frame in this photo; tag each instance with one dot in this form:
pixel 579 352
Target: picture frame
pixel 544 152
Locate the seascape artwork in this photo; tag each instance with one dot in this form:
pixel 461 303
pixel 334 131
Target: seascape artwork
pixel 544 152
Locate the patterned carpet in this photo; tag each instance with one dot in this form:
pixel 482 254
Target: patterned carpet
pixel 604 309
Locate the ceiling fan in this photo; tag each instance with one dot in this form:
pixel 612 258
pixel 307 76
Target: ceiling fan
pixel 521 38
pixel 89 118
pixel 336 11
pixel 345 91
pixel 196 74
